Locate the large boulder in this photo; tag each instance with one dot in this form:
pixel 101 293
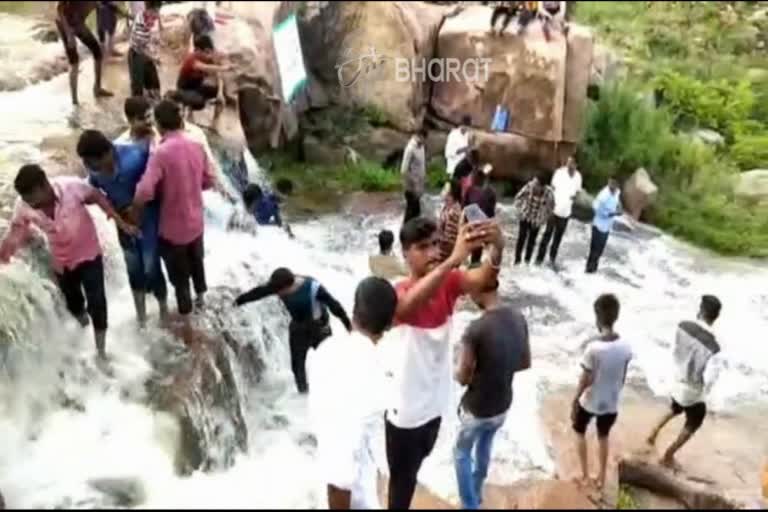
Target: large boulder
pixel 639 193
pixel 198 386
pixel 352 47
pixel 752 186
pixel 532 77
pixel 518 157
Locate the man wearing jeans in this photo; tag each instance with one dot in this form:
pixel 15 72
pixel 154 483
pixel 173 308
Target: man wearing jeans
pixel 607 207
pixel 494 347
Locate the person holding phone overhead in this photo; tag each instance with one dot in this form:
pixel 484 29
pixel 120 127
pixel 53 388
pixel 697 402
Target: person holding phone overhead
pixel 481 194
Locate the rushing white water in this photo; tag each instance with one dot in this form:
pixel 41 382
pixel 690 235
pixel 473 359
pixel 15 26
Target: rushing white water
pixel 65 426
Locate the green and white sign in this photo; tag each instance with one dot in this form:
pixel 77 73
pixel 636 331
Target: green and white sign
pixel 290 61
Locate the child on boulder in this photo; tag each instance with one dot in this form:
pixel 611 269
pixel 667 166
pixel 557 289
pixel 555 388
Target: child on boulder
pixel 199 79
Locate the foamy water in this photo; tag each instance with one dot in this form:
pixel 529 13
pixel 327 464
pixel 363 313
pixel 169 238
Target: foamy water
pixel 51 452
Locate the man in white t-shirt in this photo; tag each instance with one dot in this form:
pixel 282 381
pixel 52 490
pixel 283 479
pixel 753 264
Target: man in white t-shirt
pixel 458 144
pixel 566 183
pixel 694 348
pixel 348 400
pixel 599 391
pixel 420 367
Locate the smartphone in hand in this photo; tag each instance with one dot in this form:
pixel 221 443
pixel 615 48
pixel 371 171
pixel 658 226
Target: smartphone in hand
pixel 474 213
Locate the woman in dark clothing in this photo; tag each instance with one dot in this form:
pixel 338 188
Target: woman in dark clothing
pixel 308 303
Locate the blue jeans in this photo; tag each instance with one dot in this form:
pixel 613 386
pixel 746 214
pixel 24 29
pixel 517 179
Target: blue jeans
pixel 474 434
pixel 142 260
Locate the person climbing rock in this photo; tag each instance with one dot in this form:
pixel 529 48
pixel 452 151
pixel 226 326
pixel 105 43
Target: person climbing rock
pixel 116 170
pixel 694 349
pixel 58 208
pixel 308 303
pixel 70 22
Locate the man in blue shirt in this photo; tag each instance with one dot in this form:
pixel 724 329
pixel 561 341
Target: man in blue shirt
pixel 264 207
pixel 116 169
pixel 607 207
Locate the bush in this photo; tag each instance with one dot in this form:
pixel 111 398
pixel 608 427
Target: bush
pixel 718 104
pixel 695 184
pixel 751 152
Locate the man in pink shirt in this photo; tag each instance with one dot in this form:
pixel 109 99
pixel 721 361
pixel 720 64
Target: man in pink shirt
pixel 178 171
pixel 58 208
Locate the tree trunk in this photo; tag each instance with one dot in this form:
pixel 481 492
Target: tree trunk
pixel 641 473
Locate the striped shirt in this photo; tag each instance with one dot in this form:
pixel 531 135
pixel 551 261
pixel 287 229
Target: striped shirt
pixel 142 40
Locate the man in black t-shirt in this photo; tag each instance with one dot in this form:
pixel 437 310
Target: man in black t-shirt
pixel 493 349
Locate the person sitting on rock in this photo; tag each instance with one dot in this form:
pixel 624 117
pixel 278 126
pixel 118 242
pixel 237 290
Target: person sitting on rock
pixel 385 264
pixel 548 14
pixel 58 207
pixel 604 366
pixel 694 349
pixel 199 82
pixel 308 303
pixel 506 11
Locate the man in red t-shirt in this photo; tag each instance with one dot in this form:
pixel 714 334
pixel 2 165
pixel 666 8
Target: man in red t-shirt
pixel 420 372
pixel 199 81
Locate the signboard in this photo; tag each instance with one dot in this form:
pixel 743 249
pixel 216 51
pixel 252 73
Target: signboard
pixel 290 61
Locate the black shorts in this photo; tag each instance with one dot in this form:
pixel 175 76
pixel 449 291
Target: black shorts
pixel 84 34
pixel 694 414
pixel 106 21
pixel 143 73
pixel 605 422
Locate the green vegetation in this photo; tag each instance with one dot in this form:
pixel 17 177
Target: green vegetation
pixel 701 57
pixel 626 500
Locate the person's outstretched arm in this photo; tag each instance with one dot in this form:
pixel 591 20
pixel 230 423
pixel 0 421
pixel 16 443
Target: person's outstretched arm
pixel 334 307
pixel 257 293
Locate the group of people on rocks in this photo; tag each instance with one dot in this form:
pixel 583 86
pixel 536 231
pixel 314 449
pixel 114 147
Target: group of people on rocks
pixel 199 81
pixel 548 12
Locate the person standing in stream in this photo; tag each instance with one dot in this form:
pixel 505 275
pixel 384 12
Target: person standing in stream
pixel 414 172
pixel 58 208
pixel 566 184
pixel 116 169
pixel 308 303
pixel 70 22
pixel 535 203
pixel 143 56
pixel 607 206
pixel 419 355
pixel 178 171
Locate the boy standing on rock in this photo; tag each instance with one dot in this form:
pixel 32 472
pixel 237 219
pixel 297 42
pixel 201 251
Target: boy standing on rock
pixel 142 56
pixel 695 345
pixel 604 372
